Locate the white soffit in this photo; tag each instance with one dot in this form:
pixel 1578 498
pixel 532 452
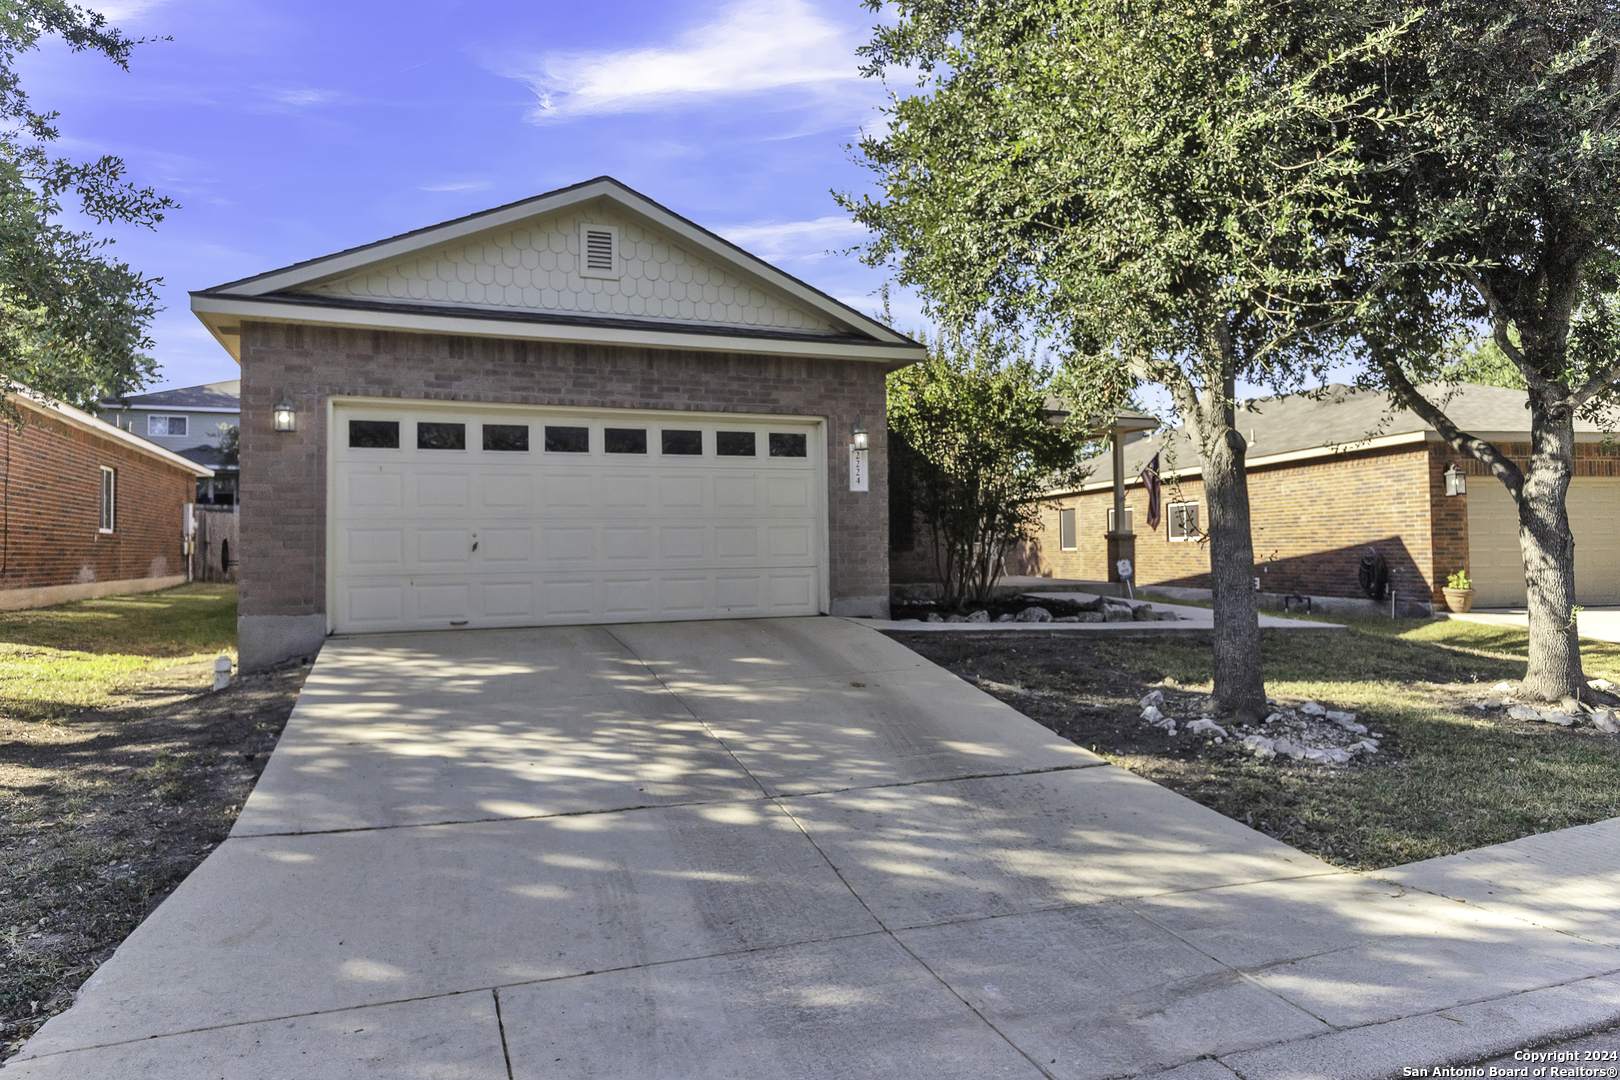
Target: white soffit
pixel 516 271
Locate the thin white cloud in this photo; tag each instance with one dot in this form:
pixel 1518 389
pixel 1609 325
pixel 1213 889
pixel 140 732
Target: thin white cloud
pixel 790 240
pixel 748 48
pixel 118 11
pixel 459 185
pixel 304 96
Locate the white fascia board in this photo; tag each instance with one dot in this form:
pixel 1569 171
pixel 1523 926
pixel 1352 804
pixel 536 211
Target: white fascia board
pixel 284 310
pixel 84 421
pixel 388 251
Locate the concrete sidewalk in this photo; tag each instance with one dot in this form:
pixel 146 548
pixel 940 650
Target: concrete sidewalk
pixel 793 848
pixel 1593 623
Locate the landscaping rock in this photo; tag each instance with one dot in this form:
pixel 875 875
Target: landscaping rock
pixel 1259 746
pixel 1502 688
pixel 1603 686
pixel 1090 616
pixel 979 616
pixel 1005 688
pixel 1116 614
pixel 1203 724
pixel 1311 708
pixel 1605 721
pixel 934 616
pixel 957 618
pixel 1168 616
pixel 1067 618
pixel 1005 618
pixel 1152 715
pixel 1154 698
pixel 1033 614
pixel 1144 613
pixel 1546 716
pixel 1340 718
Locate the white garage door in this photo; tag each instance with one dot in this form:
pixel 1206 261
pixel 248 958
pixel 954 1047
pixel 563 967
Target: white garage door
pixel 492 516
pixel 1493 542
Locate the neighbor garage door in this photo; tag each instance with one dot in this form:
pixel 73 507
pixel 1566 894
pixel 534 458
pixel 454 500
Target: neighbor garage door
pixel 458 516
pixel 1493 542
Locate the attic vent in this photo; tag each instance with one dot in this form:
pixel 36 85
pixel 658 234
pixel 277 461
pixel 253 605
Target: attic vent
pixel 599 251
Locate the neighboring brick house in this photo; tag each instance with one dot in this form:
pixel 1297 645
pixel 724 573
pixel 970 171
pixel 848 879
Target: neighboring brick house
pixel 1335 473
pixel 576 408
pixel 89 510
pixel 191 421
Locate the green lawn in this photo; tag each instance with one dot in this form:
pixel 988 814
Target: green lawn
pixel 55 661
pixel 1451 777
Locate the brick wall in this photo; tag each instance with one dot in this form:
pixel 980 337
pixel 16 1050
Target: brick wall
pixel 284 474
pixel 1311 523
pixel 50 473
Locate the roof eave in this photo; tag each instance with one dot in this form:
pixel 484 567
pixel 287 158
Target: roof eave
pixel 222 314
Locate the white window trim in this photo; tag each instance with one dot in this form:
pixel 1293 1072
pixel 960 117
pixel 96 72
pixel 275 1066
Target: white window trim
pixel 613 233
pixel 1170 517
pixel 185 422
pixel 107 493
pixel 1074 532
pixel 1130 520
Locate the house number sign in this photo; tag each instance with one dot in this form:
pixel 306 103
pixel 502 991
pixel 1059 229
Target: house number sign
pixel 857 469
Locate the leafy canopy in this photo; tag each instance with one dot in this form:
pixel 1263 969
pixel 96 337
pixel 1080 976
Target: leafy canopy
pixel 73 320
pixel 973 446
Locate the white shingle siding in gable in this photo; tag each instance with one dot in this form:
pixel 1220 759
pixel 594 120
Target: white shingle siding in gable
pixel 535 267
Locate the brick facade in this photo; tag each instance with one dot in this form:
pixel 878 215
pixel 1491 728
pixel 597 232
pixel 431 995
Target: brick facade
pixel 50 473
pixel 283 570
pixel 1312 521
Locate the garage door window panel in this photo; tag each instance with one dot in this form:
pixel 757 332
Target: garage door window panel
pixel 789 444
pixel 432 435
pixel 374 434
pixel 624 440
pixel 734 443
pixel 680 443
pixel 506 438
pixel 568 440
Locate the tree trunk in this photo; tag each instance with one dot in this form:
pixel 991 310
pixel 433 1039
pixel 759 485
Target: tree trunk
pixel 1548 548
pixel 1240 687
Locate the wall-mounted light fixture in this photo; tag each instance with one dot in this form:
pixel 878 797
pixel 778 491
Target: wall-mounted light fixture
pixel 857 434
pixel 1456 481
pixel 285 418
pixel 857 456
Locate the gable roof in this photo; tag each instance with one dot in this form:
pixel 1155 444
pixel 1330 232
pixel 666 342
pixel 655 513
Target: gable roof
pixel 1340 419
pixel 513 272
pixel 28 399
pixel 209 397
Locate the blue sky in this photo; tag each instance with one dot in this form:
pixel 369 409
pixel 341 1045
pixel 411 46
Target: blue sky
pixel 289 129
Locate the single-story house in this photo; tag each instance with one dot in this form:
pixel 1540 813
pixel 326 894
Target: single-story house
pixel 190 420
pixel 576 408
pixel 1332 474
pixel 89 509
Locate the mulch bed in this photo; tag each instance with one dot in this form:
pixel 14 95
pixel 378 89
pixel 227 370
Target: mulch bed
pixel 104 813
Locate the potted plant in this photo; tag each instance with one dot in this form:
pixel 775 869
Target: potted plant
pixel 1459 592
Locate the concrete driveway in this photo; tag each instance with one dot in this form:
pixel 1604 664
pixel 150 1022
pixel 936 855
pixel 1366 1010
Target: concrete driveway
pixel 786 848
pixel 1595 623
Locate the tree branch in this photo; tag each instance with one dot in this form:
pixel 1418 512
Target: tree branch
pixel 1468 445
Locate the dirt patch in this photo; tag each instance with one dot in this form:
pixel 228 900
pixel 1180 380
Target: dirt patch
pixel 102 814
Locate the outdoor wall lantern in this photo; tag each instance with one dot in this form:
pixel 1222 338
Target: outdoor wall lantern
pixel 285 417
pixel 857 434
pixel 1456 481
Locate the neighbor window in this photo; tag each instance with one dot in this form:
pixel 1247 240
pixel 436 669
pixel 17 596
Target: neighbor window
pixel 568 440
pixel 1129 519
pixel 1184 521
pixel 624 440
pixel 787 444
pixel 1066 530
pixel 109 496
pixel 506 436
pixel 374 434
pixel 166 425
pixel 734 443
pixel 689 443
pixel 437 436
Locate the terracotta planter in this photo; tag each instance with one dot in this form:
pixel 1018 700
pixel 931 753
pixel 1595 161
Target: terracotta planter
pixel 1459 600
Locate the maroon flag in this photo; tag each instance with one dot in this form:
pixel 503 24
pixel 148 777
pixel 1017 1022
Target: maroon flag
pixel 1150 480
